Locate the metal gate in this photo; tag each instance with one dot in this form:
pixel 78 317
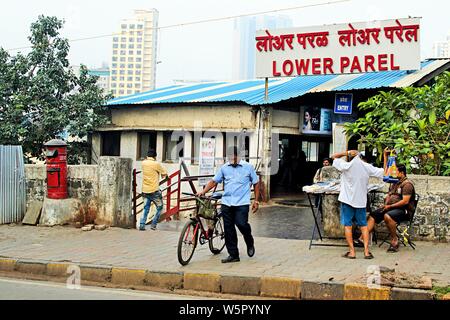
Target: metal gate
pixel 12 184
pixel 171 189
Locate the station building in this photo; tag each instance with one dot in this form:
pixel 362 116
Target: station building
pixel 285 134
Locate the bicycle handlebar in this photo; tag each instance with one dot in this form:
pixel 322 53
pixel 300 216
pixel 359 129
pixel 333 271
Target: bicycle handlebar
pixel 194 195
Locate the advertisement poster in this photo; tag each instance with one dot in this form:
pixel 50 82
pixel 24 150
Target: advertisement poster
pixel 206 159
pixel 317 121
pixel 339 138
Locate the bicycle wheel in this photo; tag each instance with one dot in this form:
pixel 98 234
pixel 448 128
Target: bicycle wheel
pixel 187 242
pixel 217 241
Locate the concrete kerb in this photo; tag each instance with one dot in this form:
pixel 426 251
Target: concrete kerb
pixel 412 294
pixel 58 269
pixel 31 266
pixel 7 264
pixel 248 286
pixel 95 273
pixel 202 281
pixel 281 287
pixel 314 290
pixel 357 291
pixel 276 287
pixel 128 277
pixel 164 279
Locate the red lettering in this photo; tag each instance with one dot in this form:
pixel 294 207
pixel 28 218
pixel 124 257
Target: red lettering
pixel 328 65
pixel 345 62
pixel 288 67
pixel 369 62
pixel 355 65
pixel 382 62
pixel 274 69
pixel 393 66
pixel 302 66
pixel 316 66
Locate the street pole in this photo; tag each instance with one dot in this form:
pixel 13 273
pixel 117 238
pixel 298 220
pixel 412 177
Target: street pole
pixel 266 89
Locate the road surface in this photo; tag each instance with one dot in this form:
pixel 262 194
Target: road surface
pixel 14 289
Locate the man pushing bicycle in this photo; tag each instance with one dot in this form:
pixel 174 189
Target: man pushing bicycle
pixel 238 176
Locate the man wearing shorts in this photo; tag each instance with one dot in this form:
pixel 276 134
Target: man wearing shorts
pixel 398 206
pixel 355 176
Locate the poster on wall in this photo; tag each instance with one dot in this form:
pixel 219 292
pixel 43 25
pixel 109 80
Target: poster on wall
pixel 206 159
pixel 339 138
pixel 317 120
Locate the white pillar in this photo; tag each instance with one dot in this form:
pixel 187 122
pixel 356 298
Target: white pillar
pixel 188 150
pixel 159 145
pixel 253 152
pixel 219 148
pixel 129 145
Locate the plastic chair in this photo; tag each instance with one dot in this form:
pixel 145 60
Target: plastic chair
pixel 404 228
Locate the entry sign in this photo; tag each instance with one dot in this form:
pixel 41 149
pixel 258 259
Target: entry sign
pixel 343 103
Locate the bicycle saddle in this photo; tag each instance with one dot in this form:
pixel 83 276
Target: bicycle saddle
pixel 216 196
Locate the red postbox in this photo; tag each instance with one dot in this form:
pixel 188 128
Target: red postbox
pixel 56 155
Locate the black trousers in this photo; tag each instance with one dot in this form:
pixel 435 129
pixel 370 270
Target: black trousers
pixel 236 217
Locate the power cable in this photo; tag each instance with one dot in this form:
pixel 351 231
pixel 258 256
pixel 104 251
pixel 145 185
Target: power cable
pixel 203 21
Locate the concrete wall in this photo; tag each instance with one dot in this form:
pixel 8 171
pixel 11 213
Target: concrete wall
pixel 432 218
pixel 231 117
pixel 82 182
pixel 286 122
pixel 114 201
pixel 92 187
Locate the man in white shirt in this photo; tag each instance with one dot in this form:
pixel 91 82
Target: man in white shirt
pixel 353 196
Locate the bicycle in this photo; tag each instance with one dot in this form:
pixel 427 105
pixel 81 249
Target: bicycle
pixel 190 235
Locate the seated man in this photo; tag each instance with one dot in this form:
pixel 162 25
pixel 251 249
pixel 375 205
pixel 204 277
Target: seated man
pixel 398 206
pixel 327 162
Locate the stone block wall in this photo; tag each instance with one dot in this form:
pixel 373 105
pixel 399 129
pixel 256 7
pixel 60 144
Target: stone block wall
pixel 87 183
pixel 432 217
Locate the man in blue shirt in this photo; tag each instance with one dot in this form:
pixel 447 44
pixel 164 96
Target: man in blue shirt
pixel 238 176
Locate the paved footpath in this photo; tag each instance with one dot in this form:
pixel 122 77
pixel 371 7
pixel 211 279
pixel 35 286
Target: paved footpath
pixel 157 251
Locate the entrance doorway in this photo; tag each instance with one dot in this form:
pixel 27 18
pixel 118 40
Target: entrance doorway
pixel 299 158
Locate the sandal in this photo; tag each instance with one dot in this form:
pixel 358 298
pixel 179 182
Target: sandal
pixel 393 249
pixel 369 256
pixel 347 255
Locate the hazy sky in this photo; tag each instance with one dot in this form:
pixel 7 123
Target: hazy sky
pixel 201 51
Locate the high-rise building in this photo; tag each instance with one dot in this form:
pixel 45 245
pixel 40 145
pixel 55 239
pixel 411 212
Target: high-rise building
pixel 244 41
pixel 133 65
pixel 442 49
pixel 103 75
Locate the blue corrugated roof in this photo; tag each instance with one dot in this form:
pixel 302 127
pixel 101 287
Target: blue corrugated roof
pixel 252 91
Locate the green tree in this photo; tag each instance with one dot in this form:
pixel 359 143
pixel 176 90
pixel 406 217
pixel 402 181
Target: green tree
pixel 41 97
pixel 414 120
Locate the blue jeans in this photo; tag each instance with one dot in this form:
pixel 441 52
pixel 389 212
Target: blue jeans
pixel 155 197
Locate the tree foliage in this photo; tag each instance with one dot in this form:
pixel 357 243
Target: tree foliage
pixel 41 97
pixel 414 120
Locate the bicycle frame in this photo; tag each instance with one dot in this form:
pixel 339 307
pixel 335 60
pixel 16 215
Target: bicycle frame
pixel 199 222
pixel 202 230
